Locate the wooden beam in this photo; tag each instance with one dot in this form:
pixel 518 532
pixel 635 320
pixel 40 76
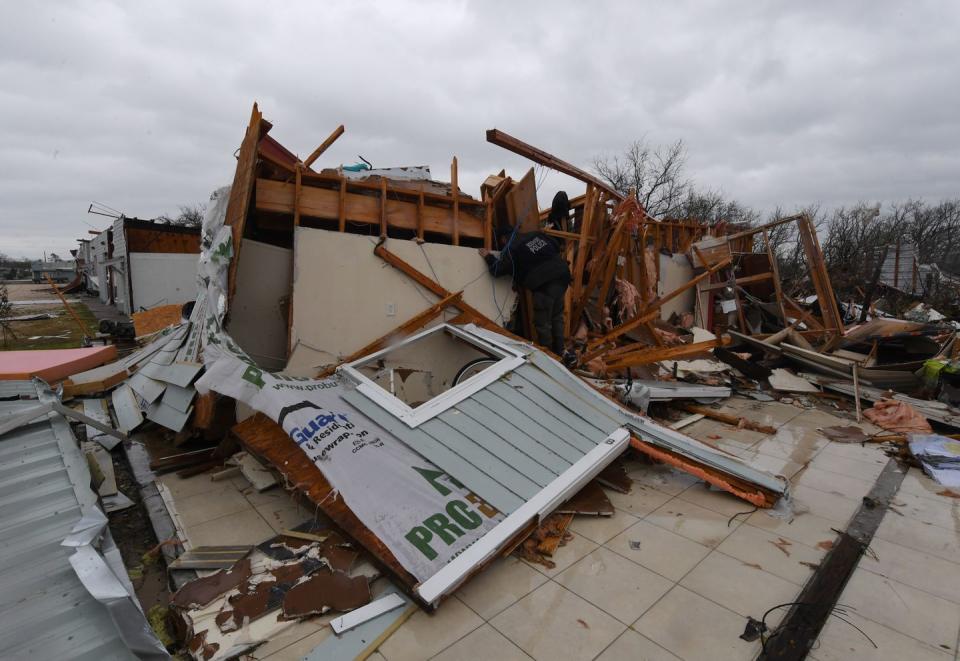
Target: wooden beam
pixel 818 274
pixel 469 314
pixel 734 420
pixel 76 319
pixel 487 221
pixel 570 236
pixel 580 259
pixel 278 197
pixel 774 269
pixel 517 146
pixel 404 329
pixel 649 354
pixel 337 132
pixel 244 179
pixel 746 280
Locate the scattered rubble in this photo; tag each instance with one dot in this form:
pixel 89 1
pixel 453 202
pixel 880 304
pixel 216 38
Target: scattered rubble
pixel 413 413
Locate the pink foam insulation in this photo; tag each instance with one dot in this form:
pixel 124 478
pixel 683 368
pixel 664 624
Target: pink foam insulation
pixel 52 364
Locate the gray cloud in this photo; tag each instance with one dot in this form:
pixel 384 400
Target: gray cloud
pixel 141 106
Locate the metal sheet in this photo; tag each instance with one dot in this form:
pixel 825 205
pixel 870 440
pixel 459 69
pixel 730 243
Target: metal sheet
pixel 178 397
pixel 149 390
pixel 97 409
pixel 167 416
pixel 47 613
pixel 125 405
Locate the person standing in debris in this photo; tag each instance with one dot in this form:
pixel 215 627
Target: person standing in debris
pixel 535 262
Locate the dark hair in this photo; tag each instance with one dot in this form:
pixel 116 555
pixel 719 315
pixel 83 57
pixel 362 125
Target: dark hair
pixel 560 210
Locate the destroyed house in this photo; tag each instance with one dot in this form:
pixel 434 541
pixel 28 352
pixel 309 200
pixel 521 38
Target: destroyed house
pixel 140 264
pixel 354 421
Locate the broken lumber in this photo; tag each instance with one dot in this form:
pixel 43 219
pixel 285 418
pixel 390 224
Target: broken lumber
pixel 596 348
pixel 647 354
pixel 751 493
pixel 734 420
pixel 517 146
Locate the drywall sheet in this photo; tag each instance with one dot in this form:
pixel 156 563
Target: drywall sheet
pixel 675 271
pixel 162 278
pixel 344 296
pixel 258 312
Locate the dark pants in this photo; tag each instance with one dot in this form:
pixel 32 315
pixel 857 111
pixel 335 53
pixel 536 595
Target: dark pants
pixel 548 315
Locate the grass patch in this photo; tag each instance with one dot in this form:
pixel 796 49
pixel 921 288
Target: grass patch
pixel 58 333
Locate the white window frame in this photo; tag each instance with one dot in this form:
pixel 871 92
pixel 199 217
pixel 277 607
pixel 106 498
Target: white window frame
pixel 510 359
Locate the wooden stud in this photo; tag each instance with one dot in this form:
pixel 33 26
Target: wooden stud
pixel 420 214
pixel 383 207
pixel 580 259
pixel 337 132
pixel 776 276
pixel 487 221
pixel 297 190
pixel 455 190
pixel 342 204
pixel 414 323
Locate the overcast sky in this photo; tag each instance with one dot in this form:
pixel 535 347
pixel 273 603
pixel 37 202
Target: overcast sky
pixel 141 105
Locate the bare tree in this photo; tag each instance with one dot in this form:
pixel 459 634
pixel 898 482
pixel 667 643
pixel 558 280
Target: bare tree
pixel 189 216
pixel 656 174
pixel 5 310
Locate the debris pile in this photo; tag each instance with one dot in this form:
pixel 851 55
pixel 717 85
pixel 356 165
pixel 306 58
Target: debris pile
pixel 348 345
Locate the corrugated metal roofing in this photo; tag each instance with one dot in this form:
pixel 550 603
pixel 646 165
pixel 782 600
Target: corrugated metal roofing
pixel 511 439
pixel 45 611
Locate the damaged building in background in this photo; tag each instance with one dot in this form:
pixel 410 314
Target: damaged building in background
pixel 342 355
pixel 139 264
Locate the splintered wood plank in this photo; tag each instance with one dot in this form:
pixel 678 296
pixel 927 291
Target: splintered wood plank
pixel 242 189
pixel 649 355
pixel 536 155
pixel 522 204
pixel 298 188
pixel 337 132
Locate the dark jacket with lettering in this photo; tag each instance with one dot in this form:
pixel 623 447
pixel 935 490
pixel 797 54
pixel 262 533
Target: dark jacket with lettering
pixel 534 259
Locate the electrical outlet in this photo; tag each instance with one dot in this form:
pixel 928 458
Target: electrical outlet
pixel 391 309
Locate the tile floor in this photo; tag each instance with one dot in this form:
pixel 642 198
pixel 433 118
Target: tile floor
pixel 705 561
pixel 676 571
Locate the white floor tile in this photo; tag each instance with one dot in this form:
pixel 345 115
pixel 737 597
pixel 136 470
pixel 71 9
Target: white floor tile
pixel 614 584
pixel 693 627
pixel 694 522
pixel 665 552
pixel 424 635
pixel 553 623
